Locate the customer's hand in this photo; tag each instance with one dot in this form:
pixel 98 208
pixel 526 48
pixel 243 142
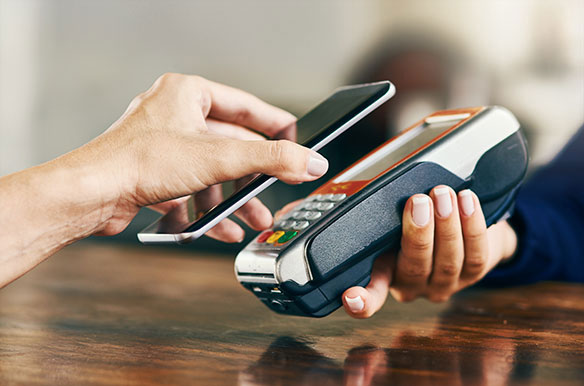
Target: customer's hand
pixel 184 135
pixel 445 247
pixel 187 134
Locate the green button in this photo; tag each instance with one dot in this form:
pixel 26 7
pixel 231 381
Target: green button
pixel 287 236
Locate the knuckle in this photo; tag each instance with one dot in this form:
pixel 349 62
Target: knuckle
pixel 448 269
pixel 242 114
pixel 447 236
pixel 415 272
pixel 475 265
pixel 474 237
pixel 140 98
pixel 277 154
pixel 417 243
pixel 169 77
pixel 276 150
pixel 282 154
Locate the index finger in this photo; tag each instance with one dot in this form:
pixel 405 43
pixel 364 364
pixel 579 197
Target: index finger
pixel 236 106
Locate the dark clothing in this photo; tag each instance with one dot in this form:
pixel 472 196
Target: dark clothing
pixel 549 221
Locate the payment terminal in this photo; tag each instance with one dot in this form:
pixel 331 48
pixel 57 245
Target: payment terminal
pixel 329 241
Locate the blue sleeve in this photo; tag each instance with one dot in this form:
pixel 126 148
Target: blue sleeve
pixel 549 221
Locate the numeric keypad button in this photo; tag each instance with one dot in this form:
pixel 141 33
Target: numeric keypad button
pixel 312 215
pixel 323 206
pixel 324 197
pixel 310 205
pixel 300 225
pixel 338 197
pixel 286 224
pixel 299 215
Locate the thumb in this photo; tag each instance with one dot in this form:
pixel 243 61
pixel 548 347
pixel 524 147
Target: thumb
pixel 285 160
pixel 362 302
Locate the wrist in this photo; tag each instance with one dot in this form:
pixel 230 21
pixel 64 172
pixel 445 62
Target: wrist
pixel 82 201
pixel 509 242
pixel 107 170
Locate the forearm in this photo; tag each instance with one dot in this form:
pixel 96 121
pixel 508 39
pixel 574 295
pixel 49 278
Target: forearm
pixel 45 208
pixel 159 150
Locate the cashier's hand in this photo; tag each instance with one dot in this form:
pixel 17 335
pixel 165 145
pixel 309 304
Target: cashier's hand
pixel 187 134
pixel 445 247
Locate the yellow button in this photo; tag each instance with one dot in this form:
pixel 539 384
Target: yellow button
pixel 274 237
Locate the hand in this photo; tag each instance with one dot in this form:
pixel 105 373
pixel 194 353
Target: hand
pixel 187 134
pixel 445 247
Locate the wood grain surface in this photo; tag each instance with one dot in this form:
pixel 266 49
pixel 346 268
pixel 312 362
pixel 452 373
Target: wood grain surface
pixel 100 314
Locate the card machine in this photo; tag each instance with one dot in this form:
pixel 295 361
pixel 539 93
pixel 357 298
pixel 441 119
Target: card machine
pixel 329 241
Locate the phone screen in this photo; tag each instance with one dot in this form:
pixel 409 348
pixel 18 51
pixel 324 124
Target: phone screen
pixel 314 130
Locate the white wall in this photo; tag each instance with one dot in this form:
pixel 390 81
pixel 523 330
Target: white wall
pixel 19 38
pixel 69 68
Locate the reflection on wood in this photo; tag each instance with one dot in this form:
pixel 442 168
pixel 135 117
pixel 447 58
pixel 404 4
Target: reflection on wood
pixel 136 316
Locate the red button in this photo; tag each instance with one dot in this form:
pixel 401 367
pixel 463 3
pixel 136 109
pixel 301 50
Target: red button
pixel 264 236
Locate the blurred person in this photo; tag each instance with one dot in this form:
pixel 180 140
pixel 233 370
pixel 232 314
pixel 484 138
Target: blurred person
pixel 446 246
pixel 430 71
pixel 185 134
pixel 423 68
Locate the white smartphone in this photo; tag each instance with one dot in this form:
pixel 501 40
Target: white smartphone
pixel 330 118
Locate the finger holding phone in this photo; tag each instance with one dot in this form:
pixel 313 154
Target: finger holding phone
pixel 185 134
pixel 318 127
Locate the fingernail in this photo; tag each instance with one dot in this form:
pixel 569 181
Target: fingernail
pixel 444 202
pixel 466 202
pixel 355 304
pixel 317 165
pixel 421 210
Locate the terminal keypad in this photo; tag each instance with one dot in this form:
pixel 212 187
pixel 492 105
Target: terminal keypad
pixel 301 217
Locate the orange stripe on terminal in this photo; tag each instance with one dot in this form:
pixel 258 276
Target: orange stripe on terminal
pixel 347 187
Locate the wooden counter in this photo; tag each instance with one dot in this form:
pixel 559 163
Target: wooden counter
pixel 99 314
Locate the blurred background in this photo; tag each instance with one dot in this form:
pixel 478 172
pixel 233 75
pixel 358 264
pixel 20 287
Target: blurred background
pixel 69 68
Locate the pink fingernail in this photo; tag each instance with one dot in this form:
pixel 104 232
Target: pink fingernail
pixel 466 202
pixel 355 304
pixel 421 210
pixel 317 164
pixel 444 202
